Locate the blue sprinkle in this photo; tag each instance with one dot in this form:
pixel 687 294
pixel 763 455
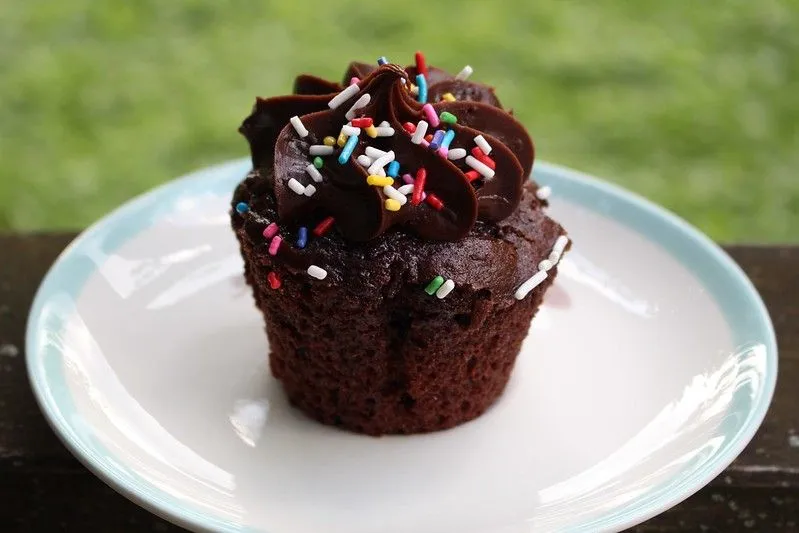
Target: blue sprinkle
pixel 242 207
pixel 302 237
pixel 447 138
pixel 346 152
pixel 421 83
pixel 437 138
pixel 382 60
pixel 393 169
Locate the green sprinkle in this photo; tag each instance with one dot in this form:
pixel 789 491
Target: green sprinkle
pixel 433 286
pixel 317 162
pixel 448 117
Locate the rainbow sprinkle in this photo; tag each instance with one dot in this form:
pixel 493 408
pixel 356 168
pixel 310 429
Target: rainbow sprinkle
pixel 392 205
pixel 393 169
pixel 324 226
pixel 421 82
pixel 448 117
pixel 421 64
pixel 435 143
pixel 270 231
pixel 274 246
pixel 431 115
pixel 445 289
pixel 434 285
pixel 302 237
pixel 242 207
pixel 274 281
pixel 346 152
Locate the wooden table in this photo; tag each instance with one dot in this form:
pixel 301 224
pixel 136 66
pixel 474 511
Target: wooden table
pixel 43 488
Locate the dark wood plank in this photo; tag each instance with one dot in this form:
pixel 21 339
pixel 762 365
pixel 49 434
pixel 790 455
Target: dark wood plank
pixel 44 488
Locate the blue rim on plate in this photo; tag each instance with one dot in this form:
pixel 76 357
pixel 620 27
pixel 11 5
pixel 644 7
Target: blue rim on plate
pixel 742 306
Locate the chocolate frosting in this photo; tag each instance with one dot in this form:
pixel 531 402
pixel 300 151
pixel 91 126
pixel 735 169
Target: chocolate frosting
pixel 279 154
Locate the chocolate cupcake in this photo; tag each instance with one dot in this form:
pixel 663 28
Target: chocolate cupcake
pixel 394 244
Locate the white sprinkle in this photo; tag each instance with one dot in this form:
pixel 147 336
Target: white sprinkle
pixel 361 102
pixel 456 153
pixel 483 169
pixel 481 142
pixel 296 186
pixel 464 73
pixel 374 153
pixel 554 257
pixel 560 245
pixel 314 173
pixel 364 160
pixel 385 122
pixel 525 288
pixel 545 265
pixel 299 127
pixel 310 190
pixel 543 192
pixel 343 96
pixel 350 131
pixel 381 161
pixel 384 131
pixel 381 172
pixel 394 194
pixel 418 135
pixel 445 289
pixel 317 272
pixel 406 189
pixel 320 149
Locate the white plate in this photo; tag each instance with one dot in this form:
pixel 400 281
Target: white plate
pixel 648 369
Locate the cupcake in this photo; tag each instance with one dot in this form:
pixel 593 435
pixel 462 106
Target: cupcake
pixel 394 244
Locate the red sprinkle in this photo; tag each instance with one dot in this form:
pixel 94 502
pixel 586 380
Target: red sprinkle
pixel 421 64
pixel 410 127
pixel 363 122
pixel 428 138
pixel 274 281
pixel 433 200
pixel 418 186
pixel 484 159
pixel 472 175
pixel 324 226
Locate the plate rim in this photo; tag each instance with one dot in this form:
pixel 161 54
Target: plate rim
pixel 163 505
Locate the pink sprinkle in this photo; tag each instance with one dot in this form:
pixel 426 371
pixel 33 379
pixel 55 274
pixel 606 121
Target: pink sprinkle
pixel 424 143
pixel 355 80
pixel 274 245
pixel 431 115
pixel 270 231
pixel 443 152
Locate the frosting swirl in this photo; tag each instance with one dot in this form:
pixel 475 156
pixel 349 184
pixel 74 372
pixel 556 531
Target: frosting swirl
pixel 360 210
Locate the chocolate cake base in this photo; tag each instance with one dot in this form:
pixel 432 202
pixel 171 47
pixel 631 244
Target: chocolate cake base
pixel 367 349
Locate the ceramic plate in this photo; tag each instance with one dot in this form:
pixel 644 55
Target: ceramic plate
pixel 648 369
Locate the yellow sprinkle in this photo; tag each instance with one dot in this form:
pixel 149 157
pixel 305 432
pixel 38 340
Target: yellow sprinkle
pixel 371 131
pixel 329 141
pixel 414 89
pixel 380 181
pixel 342 139
pixel 448 97
pixel 392 205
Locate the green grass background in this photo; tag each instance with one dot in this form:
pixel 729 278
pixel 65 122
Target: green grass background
pixel 693 104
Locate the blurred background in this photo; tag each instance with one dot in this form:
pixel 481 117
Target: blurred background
pixel 692 104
